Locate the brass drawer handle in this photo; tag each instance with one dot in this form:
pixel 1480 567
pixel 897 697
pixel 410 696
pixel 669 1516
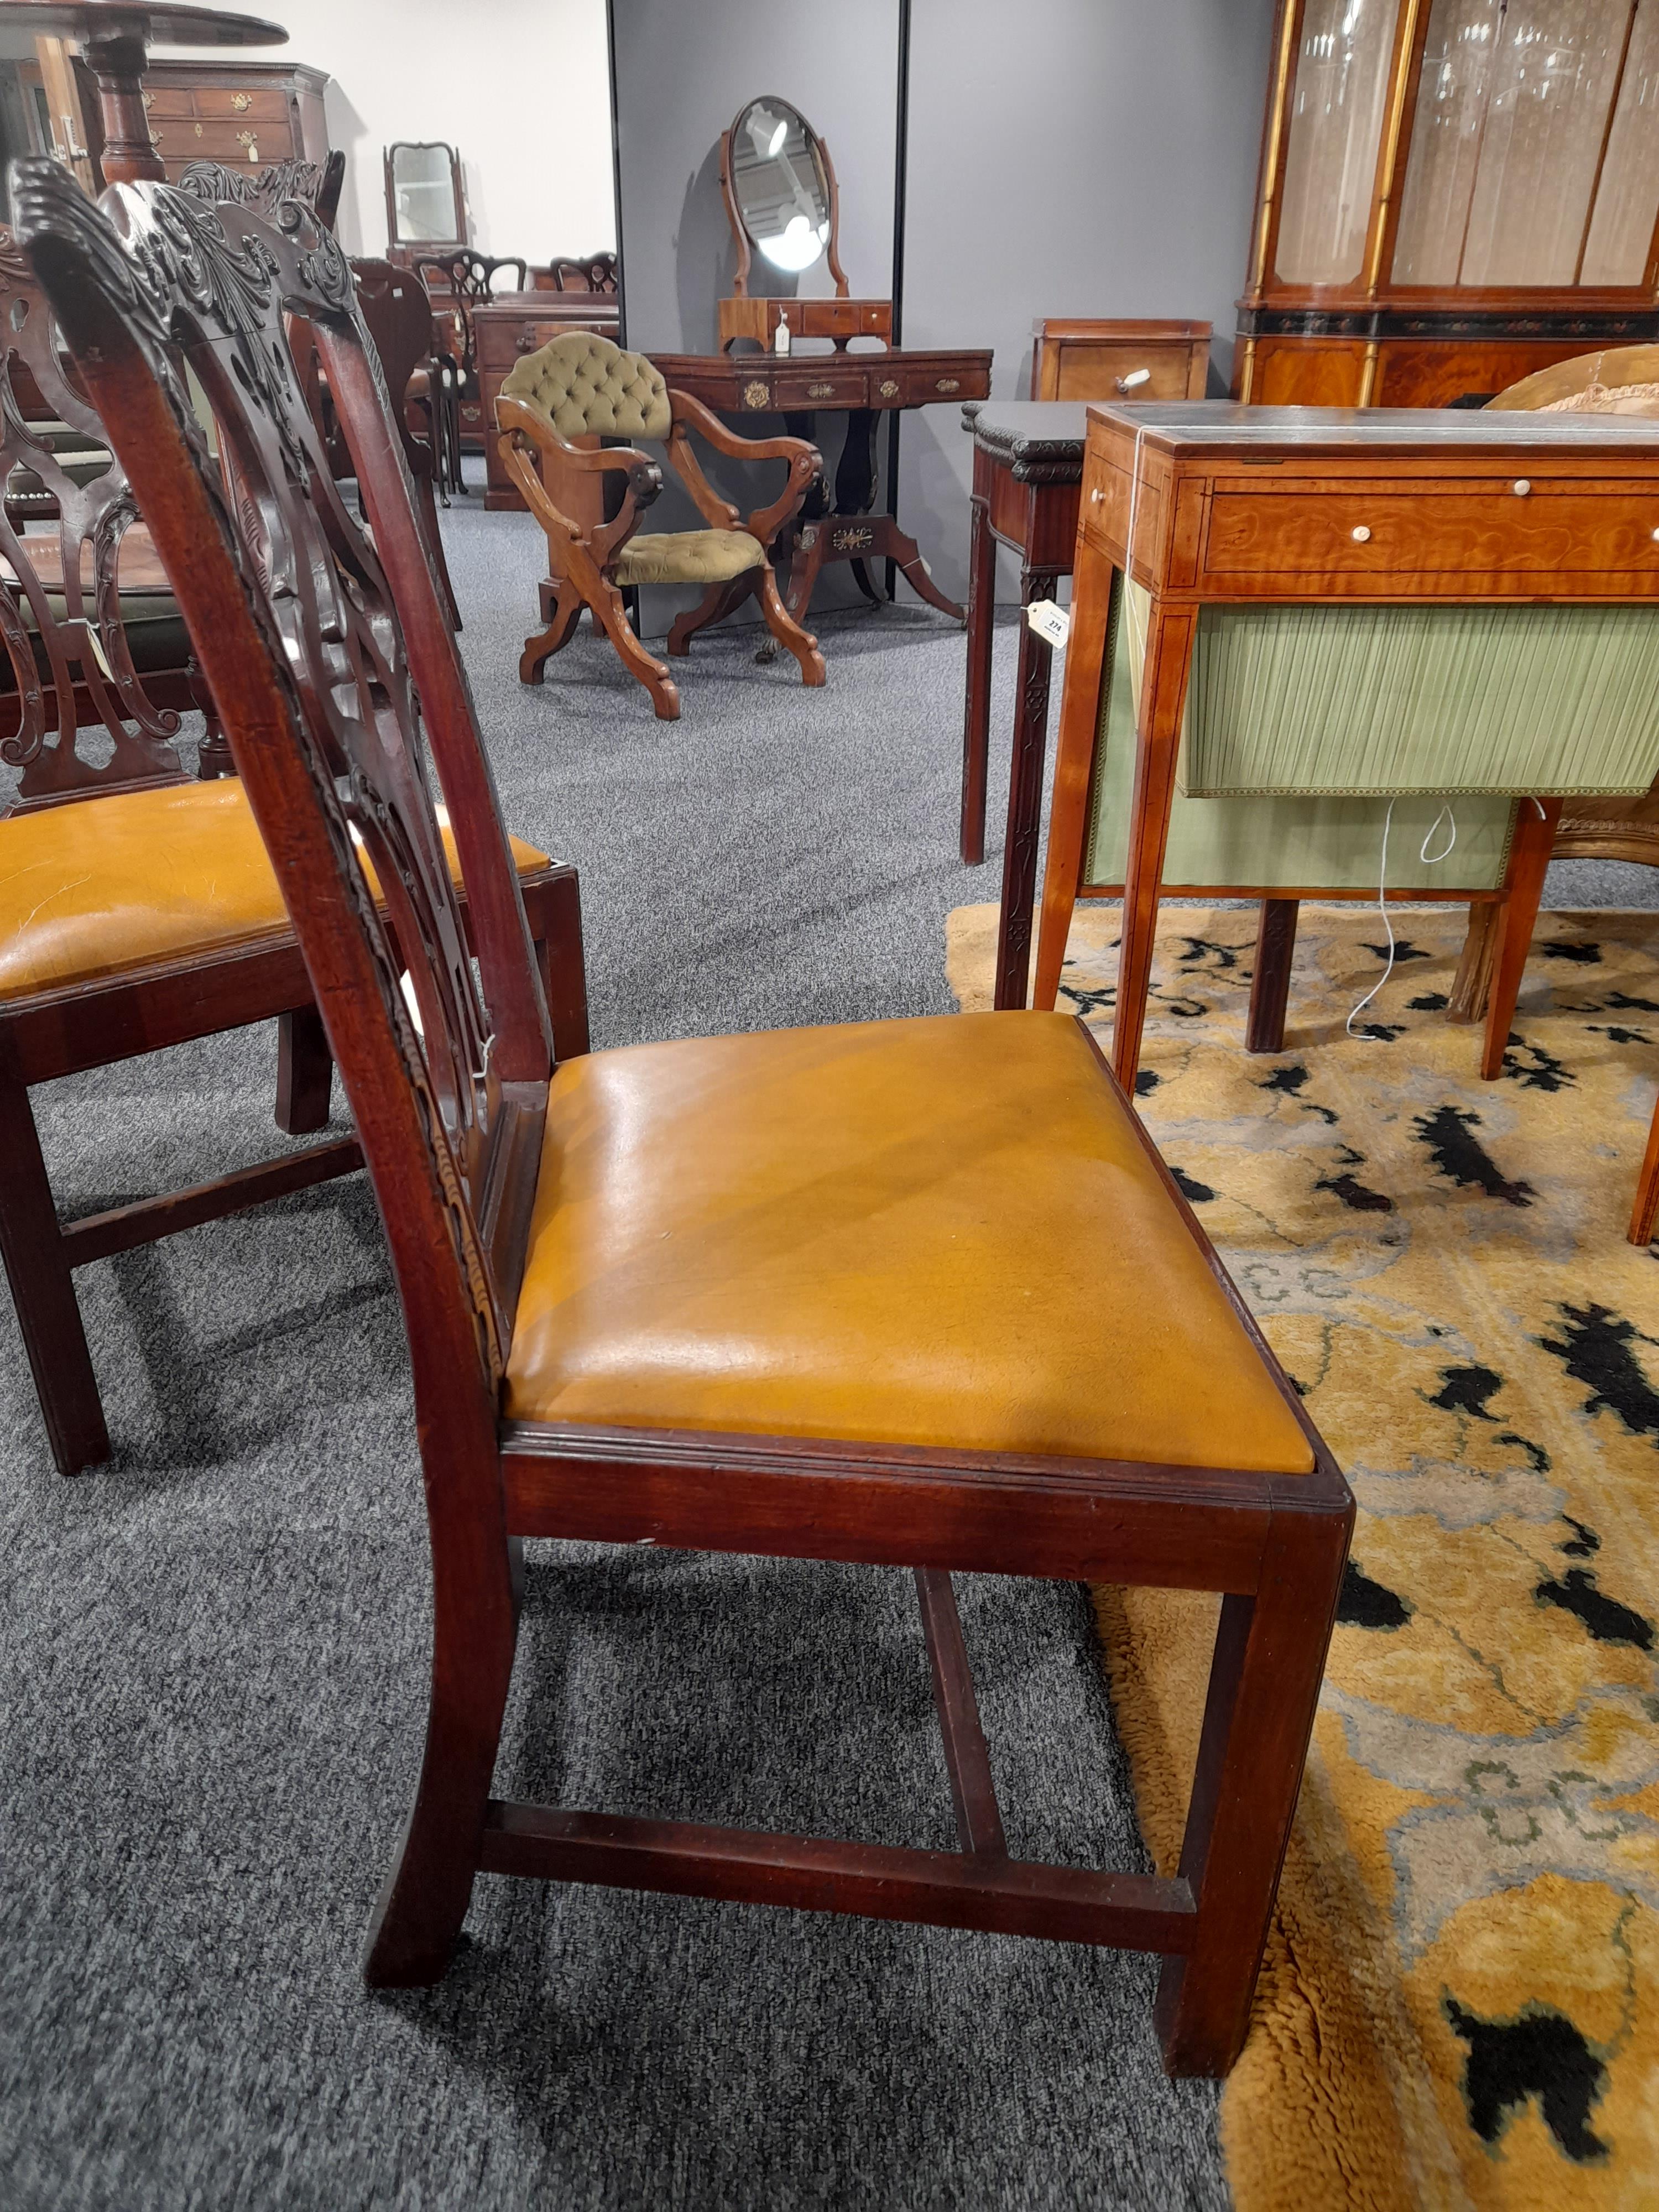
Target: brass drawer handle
pixel 756 394
pixel 948 384
pixel 820 390
pixel 1362 535
pixel 887 388
pixel 241 101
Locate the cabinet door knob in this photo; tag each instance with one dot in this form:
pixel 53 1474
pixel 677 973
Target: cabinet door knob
pixel 1521 487
pixel 1362 534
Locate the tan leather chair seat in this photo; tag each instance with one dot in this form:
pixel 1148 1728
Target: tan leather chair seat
pixel 944 1231
pixel 101 885
pixel 689 557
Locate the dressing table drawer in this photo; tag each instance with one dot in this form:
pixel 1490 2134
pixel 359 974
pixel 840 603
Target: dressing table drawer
pixel 820 383
pixel 1520 528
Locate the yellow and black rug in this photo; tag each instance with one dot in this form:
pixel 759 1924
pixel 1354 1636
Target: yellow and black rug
pixel 1461 2000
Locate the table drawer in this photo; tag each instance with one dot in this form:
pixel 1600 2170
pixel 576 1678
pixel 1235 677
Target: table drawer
pixel 1101 372
pixel 923 387
pixel 827 383
pixel 1520 527
pixel 266 105
pixel 240 145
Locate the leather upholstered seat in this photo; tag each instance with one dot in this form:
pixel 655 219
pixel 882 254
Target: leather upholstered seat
pixel 943 1231
pixel 126 880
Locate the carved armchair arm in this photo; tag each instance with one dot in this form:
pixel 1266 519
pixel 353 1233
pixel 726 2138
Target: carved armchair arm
pixel 806 466
pixel 522 428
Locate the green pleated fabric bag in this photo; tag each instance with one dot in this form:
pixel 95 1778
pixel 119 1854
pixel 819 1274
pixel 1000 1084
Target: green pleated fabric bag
pixel 1383 701
pixel 1279 843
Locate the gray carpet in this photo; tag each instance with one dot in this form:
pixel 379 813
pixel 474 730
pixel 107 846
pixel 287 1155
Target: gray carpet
pixel 213 1650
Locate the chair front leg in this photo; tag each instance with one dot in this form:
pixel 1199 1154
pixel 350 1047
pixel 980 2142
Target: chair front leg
pixel 43 1291
pixel 787 630
pixel 607 605
pixel 1258 1720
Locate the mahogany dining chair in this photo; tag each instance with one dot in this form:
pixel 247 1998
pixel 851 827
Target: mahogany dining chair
pixel 917 1292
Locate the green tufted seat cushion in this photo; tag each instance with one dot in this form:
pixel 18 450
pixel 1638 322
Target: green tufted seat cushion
pixel 586 385
pixel 689 557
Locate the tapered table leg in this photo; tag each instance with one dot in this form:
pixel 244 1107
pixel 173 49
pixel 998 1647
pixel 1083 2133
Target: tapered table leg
pixel 977 714
pixel 1025 798
pixel 1169 634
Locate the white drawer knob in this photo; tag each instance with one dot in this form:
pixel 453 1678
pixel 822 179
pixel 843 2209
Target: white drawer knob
pixel 1134 380
pixel 1097 494
pixel 1362 535
pixel 1522 487
pixel 1656 535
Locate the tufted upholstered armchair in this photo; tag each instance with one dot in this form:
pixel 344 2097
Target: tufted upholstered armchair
pixel 584 386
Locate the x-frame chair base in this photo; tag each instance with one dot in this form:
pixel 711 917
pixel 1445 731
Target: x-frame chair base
pixel 95 1024
pixel 561 604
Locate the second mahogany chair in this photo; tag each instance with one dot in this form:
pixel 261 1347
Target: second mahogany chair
pixel 137 907
pixel 916 1292
pixel 583 386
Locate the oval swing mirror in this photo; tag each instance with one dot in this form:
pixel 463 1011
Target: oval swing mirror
pixel 778 180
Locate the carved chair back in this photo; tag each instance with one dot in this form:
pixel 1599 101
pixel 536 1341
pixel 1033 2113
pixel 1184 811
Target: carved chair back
pixel 397 315
pixel 469 278
pixel 68 664
pixel 592 273
pixel 333 669
pixel 317 183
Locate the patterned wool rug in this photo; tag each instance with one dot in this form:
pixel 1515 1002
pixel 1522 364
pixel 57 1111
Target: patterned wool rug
pixel 1460 2005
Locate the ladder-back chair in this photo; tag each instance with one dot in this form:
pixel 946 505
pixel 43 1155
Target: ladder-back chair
pixel 138 905
pixel 917 1292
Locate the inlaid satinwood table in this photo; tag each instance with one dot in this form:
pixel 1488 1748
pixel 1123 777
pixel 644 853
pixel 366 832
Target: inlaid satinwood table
pixel 1368 602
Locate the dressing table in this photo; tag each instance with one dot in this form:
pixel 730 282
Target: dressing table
pixel 783 204
pixel 1269 551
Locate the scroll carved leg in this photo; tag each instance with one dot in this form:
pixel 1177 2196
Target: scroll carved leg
pixel 716 603
pixel 643 667
pixel 539 650
pixel 787 630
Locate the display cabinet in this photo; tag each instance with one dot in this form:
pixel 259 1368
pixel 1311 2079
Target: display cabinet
pixel 1454 193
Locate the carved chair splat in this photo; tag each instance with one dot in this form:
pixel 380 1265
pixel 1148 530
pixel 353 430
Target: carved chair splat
pixel 507 1184
pixel 117 968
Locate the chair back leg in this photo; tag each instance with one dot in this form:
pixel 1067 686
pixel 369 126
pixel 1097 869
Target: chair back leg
pixel 305 1072
pixel 43 1291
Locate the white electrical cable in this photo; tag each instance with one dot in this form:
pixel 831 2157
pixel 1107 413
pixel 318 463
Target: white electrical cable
pixel 1429 859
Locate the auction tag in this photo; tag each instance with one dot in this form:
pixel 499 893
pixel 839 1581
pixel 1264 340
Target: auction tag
pixel 1050 621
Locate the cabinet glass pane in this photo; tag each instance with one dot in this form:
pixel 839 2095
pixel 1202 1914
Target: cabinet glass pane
pixel 1553 91
pixel 1627 202
pixel 1512 110
pixel 1451 106
pixel 1336 123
